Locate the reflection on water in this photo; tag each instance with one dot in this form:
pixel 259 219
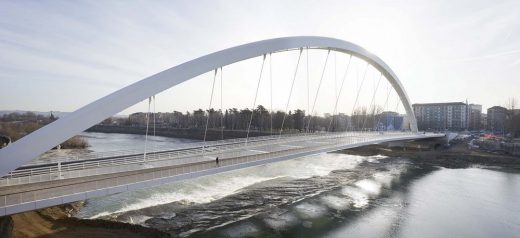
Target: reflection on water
pixel 445 203
pixel 464 203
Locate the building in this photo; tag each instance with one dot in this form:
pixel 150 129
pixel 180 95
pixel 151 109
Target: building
pixel 474 117
pixel 483 121
pixel 441 116
pixel 389 121
pixel 496 119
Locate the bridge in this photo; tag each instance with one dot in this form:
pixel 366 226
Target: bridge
pixel 27 184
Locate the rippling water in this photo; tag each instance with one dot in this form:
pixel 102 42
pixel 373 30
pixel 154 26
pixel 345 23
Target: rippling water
pixel 328 195
pixel 102 142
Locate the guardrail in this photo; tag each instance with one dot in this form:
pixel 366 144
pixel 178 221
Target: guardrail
pixel 118 161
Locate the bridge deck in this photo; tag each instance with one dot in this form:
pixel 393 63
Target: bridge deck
pixel 42 185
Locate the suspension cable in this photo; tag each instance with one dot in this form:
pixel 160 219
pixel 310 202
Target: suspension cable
pixel 335 86
pixel 335 77
pixel 385 107
pixel 147 123
pixel 154 122
pixel 339 93
pixel 308 83
pixel 397 103
pixel 318 90
pixel 254 102
pixel 221 106
pixel 154 112
pixel 398 99
pixel 209 108
pixel 358 91
pixel 290 92
pixel 372 102
pixel 271 89
pixel 221 114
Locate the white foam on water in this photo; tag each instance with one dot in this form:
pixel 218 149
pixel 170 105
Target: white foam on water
pixel 316 165
pixel 209 188
pixel 358 197
pixel 309 211
pixel 375 158
pixel 138 219
pixel 101 214
pixel 379 156
pixel 384 178
pixel 281 221
pixel 194 192
pixel 369 186
pixel 242 230
pixel 335 202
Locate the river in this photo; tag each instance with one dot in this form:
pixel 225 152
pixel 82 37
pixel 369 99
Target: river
pixel 327 195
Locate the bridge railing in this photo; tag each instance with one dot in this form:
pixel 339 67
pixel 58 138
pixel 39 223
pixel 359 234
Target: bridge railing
pixel 127 163
pixel 152 148
pixel 155 176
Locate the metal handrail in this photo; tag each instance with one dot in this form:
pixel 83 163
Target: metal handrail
pixel 234 146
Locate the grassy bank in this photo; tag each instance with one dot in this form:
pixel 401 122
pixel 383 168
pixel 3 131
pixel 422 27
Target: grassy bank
pixel 17 130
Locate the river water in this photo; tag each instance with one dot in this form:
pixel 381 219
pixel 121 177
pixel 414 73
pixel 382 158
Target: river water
pixel 327 195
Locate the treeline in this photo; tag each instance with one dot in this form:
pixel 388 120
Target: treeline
pixel 17 125
pixel 261 120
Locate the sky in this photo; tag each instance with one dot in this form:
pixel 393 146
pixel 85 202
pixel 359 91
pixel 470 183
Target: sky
pixel 62 55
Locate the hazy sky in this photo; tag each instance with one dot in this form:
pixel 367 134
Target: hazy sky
pixel 61 55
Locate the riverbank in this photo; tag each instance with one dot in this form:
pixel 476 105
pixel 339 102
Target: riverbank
pixel 16 130
pixel 458 155
pixel 57 221
pixel 184 133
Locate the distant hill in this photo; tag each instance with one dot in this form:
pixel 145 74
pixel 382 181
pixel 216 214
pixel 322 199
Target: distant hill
pixel 46 114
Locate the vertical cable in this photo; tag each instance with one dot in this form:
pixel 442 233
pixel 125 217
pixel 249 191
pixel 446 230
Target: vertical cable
pixel 308 84
pixel 154 112
pixel 154 121
pixel 209 108
pixel 271 86
pixel 254 102
pixel 340 90
pixel 335 86
pixel 371 105
pixel 385 107
pixel 397 107
pixel 318 90
pixel 358 91
pixel 290 92
pixel 221 113
pixel 335 72
pixel 147 123
pixel 221 106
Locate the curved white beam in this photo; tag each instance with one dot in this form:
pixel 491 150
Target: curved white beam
pixel 43 139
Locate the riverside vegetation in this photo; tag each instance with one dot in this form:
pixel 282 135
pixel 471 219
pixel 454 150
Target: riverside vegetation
pixel 17 125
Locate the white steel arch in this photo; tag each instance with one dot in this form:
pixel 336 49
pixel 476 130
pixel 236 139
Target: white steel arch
pixel 43 139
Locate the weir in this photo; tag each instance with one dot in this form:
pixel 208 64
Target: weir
pixel 43 185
